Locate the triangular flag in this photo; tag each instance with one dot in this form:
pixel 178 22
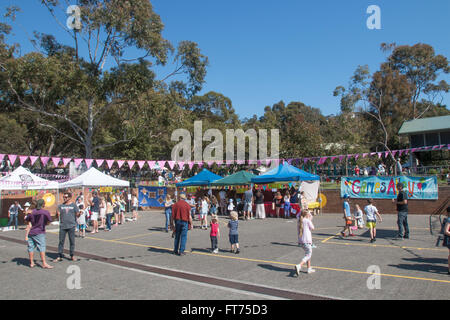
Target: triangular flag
pixel 12 158
pixel 66 161
pixel 180 165
pixel 88 162
pixel 32 159
pixel 77 162
pixel 151 164
pixel 44 160
pixel 1 156
pixel 55 161
pixel 190 164
pixel 98 161
pixel 131 163
pixel 141 164
pixel 23 159
pixel 120 163
pixel 110 163
pixel 171 164
pixel 162 163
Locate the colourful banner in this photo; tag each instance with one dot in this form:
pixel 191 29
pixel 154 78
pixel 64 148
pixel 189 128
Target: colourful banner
pixel 379 187
pixel 152 196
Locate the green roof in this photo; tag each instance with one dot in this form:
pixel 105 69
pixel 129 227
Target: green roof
pixel 424 125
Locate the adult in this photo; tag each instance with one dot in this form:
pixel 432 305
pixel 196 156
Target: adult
pixel 248 203
pixel 13 214
pixel 398 167
pixel 223 202
pixel 95 211
pixel 102 212
pixel 402 210
pixel 277 202
pixel 347 216
pixel 67 213
pixel 181 222
pixel 295 197
pixel 135 206
pixel 109 212
pixel 168 210
pixel 35 233
pixel 259 202
pixel 447 236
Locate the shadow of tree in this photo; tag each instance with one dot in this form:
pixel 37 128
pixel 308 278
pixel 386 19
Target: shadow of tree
pixel 429 265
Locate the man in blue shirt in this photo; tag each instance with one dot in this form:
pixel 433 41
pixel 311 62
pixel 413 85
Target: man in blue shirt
pixel 347 217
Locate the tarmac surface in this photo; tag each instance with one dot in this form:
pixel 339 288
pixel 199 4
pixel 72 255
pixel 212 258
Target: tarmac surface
pixel 135 262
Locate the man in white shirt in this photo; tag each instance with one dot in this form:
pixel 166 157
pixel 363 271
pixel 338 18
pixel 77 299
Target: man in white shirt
pixel 13 214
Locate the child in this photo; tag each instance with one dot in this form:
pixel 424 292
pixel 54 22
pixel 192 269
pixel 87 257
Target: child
pixel 230 207
pixel 287 205
pixel 305 227
pixel 214 234
pixel 347 217
pixel 372 212
pixel 204 213
pixel 233 235
pixel 81 221
pixel 359 217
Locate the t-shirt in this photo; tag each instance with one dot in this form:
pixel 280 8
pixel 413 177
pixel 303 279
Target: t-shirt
pixel 95 204
pixel 371 212
pixel 259 199
pixel 294 197
pixel 214 229
pixel 205 207
pixel 248 196
pixel 67 215
pixel 306 236
pixel 346 207
pixel 400 197
pixel 233 225
pixel 14 209
pixel 38 219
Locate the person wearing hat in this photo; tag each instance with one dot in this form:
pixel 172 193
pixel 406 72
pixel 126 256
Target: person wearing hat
pixel 402 209
pixel 26 209
pixel 35 232
pixel 347 217
pixel 180 222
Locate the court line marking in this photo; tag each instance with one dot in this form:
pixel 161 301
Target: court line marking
pixel 278 262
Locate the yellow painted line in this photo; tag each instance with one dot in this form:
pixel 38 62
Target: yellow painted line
pixel 383 246
pixel 323 241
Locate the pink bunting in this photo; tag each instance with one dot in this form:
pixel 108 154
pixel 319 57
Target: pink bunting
pixel 2 156
pixel 88 162
pixel 77 162
pixel 98 161
pixel 210 163
pixel 66 161
pixel 120 163
pixel 365 155
pixel 55 161
pixel 171 164
pixel 190 164
pixel 44 160
pixel 110 163
pixel 12 158
pixel 341 158
pixel 162 163
pixel 22 159
pixel 141 164
pixel 32 159
pixel 131 163
pixel 151 164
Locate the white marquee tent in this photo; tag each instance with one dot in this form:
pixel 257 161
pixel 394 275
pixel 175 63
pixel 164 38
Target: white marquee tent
pixel 23 179
pixel 94 178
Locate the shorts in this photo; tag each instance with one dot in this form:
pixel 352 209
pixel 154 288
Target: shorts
pixel 234 238
pixel 247 206
pixel 94 216
pixel 135 208
pixel 37 242
pixel 203 214
pixel 371 224
pixel 82 227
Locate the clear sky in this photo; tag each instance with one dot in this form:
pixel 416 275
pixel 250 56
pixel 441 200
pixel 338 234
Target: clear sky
pixel 261 52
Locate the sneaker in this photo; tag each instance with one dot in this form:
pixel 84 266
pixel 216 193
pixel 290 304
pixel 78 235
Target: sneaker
pixel 216 251
pixel 311 270
pixel 297 269
pixel 351 234
pixel 372 240
pixel 237 251
pixel 343 233
pixel 313 246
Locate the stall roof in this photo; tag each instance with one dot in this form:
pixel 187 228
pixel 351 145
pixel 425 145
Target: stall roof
pixel 285 172
pixel 238 178
pixel 94 178
pixel 23 179
pixel 204 178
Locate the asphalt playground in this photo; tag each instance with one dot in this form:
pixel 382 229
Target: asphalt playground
pixel 135 262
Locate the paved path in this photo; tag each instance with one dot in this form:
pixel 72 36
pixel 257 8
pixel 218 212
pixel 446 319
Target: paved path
pixel 134 261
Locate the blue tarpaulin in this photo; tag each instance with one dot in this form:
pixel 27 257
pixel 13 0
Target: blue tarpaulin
pixel 204 178
pixel 285 172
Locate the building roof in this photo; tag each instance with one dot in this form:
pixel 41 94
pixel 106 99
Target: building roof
pixel 424 125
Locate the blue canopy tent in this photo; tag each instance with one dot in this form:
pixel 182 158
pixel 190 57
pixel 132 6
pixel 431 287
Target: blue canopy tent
pixel 204 178
pixel 285 172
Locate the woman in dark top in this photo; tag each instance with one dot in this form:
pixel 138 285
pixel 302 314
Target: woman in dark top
pixel 277 201
pixel 259 202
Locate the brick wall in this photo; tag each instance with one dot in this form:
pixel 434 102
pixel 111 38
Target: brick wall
pixel 385 206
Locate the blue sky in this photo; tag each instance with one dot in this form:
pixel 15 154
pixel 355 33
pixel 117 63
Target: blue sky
pixel 261 52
